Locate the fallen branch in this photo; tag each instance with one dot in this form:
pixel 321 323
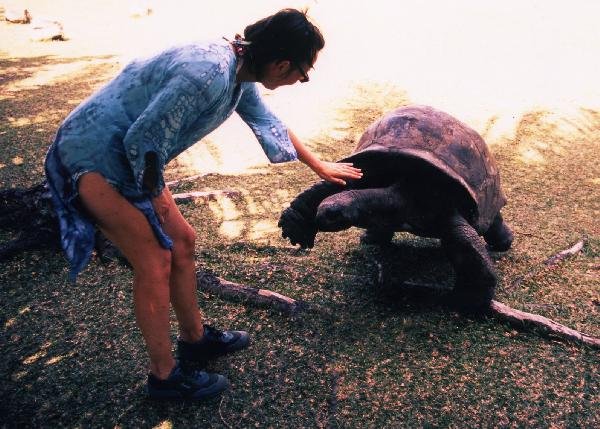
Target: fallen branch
pixel 210 282
pixel 517 318
pixel 522 319
pixel 551 261
pixel 18 17
pixel 187 197
pixel 177 182
pixel 576 248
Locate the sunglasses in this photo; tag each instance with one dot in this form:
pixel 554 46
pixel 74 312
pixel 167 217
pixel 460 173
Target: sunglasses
pixel 305 77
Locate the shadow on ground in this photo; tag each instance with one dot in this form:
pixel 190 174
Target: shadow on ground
pixel 31 114
pixel 73 356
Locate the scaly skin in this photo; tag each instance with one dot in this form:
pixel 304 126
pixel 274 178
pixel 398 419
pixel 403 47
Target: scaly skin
pixel 297 222
pixel 475 274
pixel 364 208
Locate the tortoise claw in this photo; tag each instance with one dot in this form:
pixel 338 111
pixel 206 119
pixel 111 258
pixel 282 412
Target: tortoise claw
pixel 297 228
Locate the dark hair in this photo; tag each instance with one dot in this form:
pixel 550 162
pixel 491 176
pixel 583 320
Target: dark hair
pixel 286 35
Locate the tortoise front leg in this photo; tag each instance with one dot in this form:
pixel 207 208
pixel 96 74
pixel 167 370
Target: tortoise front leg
pixel 475 274
pixel 499 236
pixel 297 222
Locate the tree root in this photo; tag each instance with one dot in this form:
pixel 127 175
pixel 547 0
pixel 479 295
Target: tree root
pixel 177 182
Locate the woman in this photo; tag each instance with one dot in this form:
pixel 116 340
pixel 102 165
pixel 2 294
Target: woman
pixel 105 169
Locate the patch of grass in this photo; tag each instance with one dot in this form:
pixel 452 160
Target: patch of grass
pixel 73 356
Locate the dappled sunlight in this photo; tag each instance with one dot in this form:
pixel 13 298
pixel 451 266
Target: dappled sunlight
pixel 522 74
pixel 232 229
pixel 165 424
pixel 544 133
pixel 11 322
pixel 530 155
pixel 50 74
pixel 56 359
pixel 27 120
pixel 245 218
pixel 262 229
pixel 18 375
pixel 224 209
pixel 231 149
pixel 43 351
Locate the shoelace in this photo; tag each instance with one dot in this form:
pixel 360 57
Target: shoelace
pixel 212 332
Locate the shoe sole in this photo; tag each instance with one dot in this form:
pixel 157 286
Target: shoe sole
pixel 236 348
pixel 217 390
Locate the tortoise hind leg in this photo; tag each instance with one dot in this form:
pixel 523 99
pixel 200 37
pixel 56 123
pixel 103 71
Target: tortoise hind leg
pixel 499 236
pixel 475 274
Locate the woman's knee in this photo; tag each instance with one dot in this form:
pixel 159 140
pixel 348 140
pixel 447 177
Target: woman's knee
pixel 184 246
pixel 155 266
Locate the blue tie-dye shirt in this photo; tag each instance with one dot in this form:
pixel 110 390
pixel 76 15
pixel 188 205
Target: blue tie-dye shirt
pixel 161 105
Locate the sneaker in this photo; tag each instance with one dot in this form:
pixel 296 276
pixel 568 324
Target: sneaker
pixel 186 385
pixel 213 344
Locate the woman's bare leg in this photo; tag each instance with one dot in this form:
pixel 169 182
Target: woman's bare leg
pixel 182 283
pixel 130 231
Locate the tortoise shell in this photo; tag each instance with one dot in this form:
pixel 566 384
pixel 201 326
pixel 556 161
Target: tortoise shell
pixel 420 139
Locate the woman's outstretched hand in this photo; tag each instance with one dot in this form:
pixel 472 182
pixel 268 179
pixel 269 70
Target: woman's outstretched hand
pixel 336 172
pixel 333 172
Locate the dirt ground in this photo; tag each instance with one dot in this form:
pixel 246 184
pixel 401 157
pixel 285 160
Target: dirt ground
pixel 524 74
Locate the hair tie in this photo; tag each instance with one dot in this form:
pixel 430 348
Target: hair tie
pixel 240 45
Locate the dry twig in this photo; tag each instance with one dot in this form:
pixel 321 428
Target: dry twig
pixel 221 413
pixel 576 248
pixel 551 261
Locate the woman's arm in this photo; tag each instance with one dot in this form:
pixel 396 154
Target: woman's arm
pixel 334 172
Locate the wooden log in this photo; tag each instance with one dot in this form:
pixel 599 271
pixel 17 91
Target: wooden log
pixel 208 281
pixel 178 182
pixel 187 197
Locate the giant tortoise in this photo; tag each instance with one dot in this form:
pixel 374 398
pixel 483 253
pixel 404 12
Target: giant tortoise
pixel 424 172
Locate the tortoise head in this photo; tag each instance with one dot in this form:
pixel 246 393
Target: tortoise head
pixel 339 211
pixel 364 208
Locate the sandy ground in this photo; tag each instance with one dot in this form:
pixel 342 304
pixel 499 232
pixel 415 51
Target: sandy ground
pixel 485 62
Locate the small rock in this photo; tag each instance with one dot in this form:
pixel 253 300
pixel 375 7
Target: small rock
pixel 43 29
pixel 20 17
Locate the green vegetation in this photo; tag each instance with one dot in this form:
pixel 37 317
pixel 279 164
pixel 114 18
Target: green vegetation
pixel 73 357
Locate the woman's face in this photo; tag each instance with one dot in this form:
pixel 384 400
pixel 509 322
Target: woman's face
pixel 280 73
